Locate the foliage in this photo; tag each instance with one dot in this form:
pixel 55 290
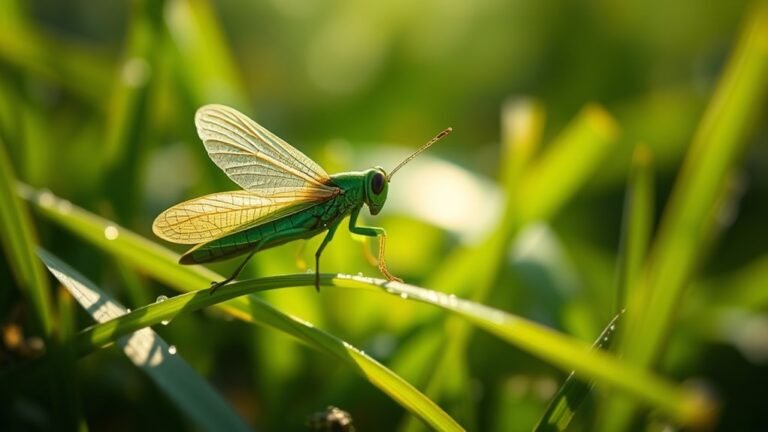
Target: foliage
pixel 626 172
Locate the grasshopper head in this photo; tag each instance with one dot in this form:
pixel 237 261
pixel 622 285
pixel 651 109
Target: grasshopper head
pixel 377 180
pixel 376 185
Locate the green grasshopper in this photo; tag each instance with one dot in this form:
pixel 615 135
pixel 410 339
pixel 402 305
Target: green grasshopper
pixel 286 196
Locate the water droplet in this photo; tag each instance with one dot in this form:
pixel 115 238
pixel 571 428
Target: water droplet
pixel 613 327
pixel 111 232
pixel 65 206
pixel 403 295
pixel 172 349
pixel 452 300
pixel 160 299
pixel 128 310
pixel 46 198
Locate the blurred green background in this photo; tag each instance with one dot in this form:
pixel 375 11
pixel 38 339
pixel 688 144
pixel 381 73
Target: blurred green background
pixel 97 101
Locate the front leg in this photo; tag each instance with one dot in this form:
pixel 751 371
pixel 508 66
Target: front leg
pixel 373 232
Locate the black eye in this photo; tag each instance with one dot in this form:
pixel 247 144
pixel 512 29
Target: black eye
pixel 377 183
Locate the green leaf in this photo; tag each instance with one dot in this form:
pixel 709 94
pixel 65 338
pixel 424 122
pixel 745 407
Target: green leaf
pixel 152 354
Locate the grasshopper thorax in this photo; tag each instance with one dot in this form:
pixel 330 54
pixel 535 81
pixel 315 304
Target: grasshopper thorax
pixel 375 186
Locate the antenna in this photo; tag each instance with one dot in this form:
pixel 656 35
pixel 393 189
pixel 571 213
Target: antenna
pixel 437 138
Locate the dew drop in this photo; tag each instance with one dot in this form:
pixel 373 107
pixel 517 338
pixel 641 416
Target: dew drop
pixel 128 310
pixel 613 327
pixel 172 349
pixel 46 198
pixel 403 295
pixel 160 299
pixel 111 232
pixel 65 206
pixel 452 301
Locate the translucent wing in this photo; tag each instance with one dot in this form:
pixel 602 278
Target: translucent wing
pixel 212 216
pixel 256 159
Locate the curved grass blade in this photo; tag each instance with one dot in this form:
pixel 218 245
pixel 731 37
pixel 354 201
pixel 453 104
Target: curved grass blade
pixel 19 241
pixel 161 264
pixel 572 393
pixel 686 406
pixel 152 354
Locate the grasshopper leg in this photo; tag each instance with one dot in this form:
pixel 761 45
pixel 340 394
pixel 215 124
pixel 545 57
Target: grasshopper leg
pixel 326 240
pixel 264 241
pixel 373 232
pixel 216 285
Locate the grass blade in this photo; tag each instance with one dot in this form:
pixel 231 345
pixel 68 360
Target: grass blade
pixel 580 147
pixel 161 264
pixel 686 226
pixel 572 158
pixel 720 139
pixel 129 106
pixel 151 353
pixel 19 241
pixel 637 224
pixel 572 393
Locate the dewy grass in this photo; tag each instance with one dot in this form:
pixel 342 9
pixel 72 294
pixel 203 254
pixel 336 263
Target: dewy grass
pixel 683 405
pixel 160 263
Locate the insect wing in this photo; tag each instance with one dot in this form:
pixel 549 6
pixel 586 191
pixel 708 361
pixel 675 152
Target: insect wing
pixel 212 216
pixel 256 159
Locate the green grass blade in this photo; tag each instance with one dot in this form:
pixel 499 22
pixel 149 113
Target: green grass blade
pixel 733 111
pixel 151 353
pixel 719 140
pixel 637 224
pixel 128 113
pixel 568 163
pixel 684 405
pixel 581 146
pixel 572 393
pixel 65 386
pixel 19 242
pixel 204 59
pixel 161 264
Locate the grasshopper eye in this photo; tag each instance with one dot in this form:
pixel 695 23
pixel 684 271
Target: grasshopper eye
pixel 377 183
